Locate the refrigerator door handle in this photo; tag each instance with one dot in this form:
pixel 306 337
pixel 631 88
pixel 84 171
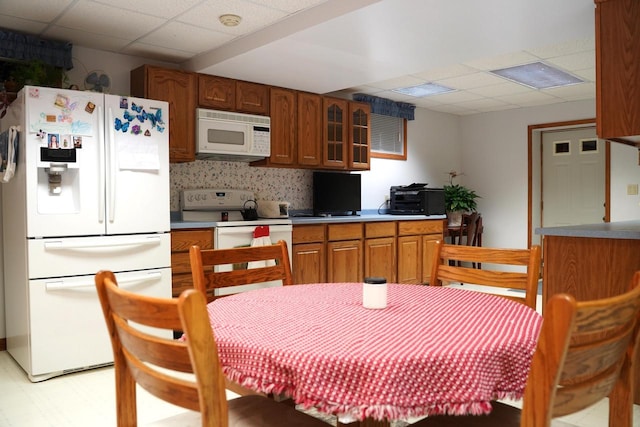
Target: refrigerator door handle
pixel 66 245
pixel 101 199
pixel 111 177
pixel 127 281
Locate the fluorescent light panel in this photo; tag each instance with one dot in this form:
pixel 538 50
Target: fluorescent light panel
pixel 425 89
pixel 537 75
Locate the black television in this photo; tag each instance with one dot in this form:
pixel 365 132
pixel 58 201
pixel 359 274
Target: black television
pixel 336 193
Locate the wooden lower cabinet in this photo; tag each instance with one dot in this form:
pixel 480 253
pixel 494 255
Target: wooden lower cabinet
pixel 380 250
pixel 344 252
pixel 308 254
pixel 310 261
pixel 400 251
pixel 181 241
pixel 416 240
pixel 410 259
pixel 344 261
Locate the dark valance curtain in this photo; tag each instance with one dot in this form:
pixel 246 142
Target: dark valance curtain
pixel 24 47
pixel 386 107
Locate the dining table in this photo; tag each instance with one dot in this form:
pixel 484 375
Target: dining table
pixel 432 350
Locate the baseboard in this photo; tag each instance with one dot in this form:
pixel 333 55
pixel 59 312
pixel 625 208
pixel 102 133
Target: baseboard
pixel 3 344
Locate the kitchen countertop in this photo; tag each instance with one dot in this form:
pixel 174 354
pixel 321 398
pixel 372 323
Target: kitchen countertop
pixel 606 230
pixel 177 223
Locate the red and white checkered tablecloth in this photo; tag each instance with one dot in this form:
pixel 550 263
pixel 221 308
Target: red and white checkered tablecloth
pixel 433 350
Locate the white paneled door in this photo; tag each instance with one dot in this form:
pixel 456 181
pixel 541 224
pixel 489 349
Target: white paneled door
pixel 573 177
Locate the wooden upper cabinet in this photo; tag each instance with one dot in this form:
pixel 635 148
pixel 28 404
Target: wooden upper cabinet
pixel 179 88
pixel 335 133
pixel 283 126
pixel 617 69
pixel 216 92
pixel 252 98
pixel 221 93
pixel 360 135
pixel 309 141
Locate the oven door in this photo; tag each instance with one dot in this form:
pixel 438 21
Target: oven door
pixel 239 236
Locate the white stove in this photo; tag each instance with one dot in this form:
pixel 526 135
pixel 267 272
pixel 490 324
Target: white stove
pixel 210 205
pixel 222 206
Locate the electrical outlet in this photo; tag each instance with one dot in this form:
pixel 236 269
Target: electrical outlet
pixel 387 198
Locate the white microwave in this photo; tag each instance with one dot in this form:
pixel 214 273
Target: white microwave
pixel 225 135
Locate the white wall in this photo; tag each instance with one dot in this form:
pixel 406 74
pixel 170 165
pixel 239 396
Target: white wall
pixel 433 149
pixel 116 66
pixel 625 169
pixel 494 161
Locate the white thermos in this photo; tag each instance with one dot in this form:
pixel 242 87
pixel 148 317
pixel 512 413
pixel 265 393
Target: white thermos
pixel 374 292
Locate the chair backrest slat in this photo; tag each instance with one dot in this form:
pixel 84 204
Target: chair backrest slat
pixel 450 266
pixel 584 354
pixel 186 372
pixel 271 263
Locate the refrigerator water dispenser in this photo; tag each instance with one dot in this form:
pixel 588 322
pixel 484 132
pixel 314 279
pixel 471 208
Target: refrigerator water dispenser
pixel 58 183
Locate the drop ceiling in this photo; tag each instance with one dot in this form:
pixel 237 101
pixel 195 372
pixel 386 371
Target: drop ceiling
pixel 342 46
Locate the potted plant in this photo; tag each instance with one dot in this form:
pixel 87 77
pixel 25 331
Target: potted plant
pixel 458 199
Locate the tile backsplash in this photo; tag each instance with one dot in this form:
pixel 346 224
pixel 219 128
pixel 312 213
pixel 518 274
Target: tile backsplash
pixel 291 185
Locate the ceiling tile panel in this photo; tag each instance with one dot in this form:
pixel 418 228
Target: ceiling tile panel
pixel 289 6
pixel 501 89
pixel 34 10
pixel 176 35
pixel 96 18
pixel 97 41
pixel 471 81
pixel 163 9
pixel 445 72
pixel 254 16
pixel 576 61
pixel 502 61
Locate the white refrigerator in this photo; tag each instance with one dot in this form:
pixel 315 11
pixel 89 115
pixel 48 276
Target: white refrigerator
pixel 90 192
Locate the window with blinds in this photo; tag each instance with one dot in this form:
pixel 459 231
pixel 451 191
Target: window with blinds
pixel 388 137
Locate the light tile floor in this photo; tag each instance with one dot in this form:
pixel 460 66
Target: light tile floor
pixel 87 398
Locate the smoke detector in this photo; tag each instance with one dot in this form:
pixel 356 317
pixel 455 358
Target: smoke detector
pixel 230 20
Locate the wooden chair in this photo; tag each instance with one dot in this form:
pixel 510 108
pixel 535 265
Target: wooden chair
pixel 159 364
pixel 469 233
pixel 491 274
pixel 207 280
pixel 468 229
pixel 204 261
pixel 584 354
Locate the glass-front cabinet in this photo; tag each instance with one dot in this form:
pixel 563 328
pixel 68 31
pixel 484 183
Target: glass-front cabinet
pixel 360 142
pixel 334 150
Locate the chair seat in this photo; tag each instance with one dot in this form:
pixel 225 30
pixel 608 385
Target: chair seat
pixel 502 415
pixel 258 411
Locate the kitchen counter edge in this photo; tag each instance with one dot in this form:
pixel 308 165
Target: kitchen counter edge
pixel 606 230
pixel 299 220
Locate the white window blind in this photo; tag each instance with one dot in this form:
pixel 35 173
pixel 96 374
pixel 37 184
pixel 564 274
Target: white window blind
pixel 387 134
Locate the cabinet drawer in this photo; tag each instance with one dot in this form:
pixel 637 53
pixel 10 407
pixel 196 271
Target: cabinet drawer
pixel 182 240
pixel 344 231
pixel 407 228
pixel 379 229
pixel 308 233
